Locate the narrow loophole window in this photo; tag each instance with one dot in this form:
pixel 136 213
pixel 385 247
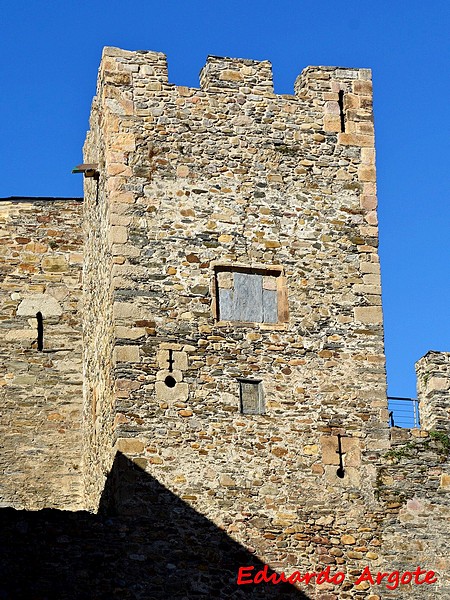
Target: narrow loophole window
pixel 341 110
pixel 170 360
pixel 40 331
pixel 340 471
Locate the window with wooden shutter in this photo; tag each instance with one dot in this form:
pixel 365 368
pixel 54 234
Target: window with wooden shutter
pixel 251 397
pixel 250 295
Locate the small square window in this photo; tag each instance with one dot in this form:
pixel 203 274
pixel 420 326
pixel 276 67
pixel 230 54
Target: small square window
pixel 251 397
pixel 255 295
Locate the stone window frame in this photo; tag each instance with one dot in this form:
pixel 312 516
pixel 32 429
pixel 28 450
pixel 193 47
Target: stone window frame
pixel 258 383
pixel 259 269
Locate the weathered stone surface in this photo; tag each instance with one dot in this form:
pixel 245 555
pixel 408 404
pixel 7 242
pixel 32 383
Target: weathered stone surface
pixel 178 360
pixel 55 264
pixel 43 303
pixel 130 445
pixel 126 353
pixel 180 391
pixel 226 481
pixel 41 391
pixel 369 314
pixel 350 447
pixel 268 184
pixel 445 481
pixel 433 384
pixel 118 234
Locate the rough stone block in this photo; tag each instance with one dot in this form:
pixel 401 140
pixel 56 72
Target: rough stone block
pixel 126 310
pixel 18 335
pixel 129 446
pixel 368 202
pixel 350 449
pixel 366 173
pixel 164 373
pixel 445 481
pixel 332 123
pixel 126 354
pixel 364 88
pixel 179 359
pixel 332 108
pixel 368 314
pixel 125 142
pixel 131 333
pixel 44 303
pixel 118 234
pixel 179 392
pixel 55 264
pixel 353 139
pixel 438 383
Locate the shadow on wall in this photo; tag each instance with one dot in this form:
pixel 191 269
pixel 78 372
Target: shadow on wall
pixel 146 544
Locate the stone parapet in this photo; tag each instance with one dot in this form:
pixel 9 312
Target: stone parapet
pixel 413 486
pixel 433 390
pixel 230 75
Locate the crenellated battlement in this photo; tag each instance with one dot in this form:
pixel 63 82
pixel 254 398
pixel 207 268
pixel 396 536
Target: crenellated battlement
pixel 332 100
pixel 239 75
pixel 228 75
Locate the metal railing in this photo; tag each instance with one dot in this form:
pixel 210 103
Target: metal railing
pixel 403 412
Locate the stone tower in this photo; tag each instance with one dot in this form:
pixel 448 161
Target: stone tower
pixel 232 273
pixel 226 402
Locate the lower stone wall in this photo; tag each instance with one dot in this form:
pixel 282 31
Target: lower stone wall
pixel 172 551
pixel 40 389
pixel 413 486
pixel 182 531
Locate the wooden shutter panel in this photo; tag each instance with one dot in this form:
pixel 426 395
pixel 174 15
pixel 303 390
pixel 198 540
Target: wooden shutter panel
pixel 251 397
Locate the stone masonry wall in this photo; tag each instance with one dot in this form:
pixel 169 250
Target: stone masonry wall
pixel 40 391
pixel 98 333
pixel 413 485
pixel 433 388
pixel 232 176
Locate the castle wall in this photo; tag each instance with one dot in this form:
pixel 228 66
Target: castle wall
pixel 98 331
pixel 40 390
pixel 413 485
pixel 234 405
pixel 204 183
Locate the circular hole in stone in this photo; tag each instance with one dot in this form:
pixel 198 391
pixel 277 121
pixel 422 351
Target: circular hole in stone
pixel 170 381
pixel 340 473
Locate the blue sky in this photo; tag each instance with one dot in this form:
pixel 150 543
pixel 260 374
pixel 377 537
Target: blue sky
pixel 50 53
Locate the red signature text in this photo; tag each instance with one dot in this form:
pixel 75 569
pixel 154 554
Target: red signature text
pixel 391 580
